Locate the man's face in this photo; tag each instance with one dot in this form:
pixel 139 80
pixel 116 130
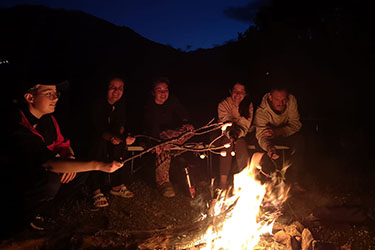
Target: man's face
pixel 161 93
pixel 43 100
pixel 238 93
pixel 115 90
pixel 278 100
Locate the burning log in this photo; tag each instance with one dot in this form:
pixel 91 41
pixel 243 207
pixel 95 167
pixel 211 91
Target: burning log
pixel 237 219
pixel 249 212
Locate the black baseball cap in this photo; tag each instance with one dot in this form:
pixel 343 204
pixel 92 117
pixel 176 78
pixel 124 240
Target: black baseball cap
pixel 60 85
pixel 25 86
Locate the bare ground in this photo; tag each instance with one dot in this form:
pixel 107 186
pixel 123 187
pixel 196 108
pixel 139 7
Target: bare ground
pixel 151 221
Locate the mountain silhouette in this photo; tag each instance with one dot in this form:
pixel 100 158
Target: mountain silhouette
pixel 325 61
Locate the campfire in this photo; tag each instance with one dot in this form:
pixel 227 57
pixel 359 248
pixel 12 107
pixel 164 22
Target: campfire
pixel 241 215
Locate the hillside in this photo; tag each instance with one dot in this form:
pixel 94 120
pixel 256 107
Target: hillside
pixel 326 59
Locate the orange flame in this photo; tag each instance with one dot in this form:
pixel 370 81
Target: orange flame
pixel 240 219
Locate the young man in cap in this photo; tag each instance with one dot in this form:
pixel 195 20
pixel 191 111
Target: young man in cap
pixel 41 159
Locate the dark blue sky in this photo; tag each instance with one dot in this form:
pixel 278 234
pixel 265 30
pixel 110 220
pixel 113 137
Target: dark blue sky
pixel 195 23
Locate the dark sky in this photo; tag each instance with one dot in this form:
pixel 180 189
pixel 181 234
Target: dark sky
pixel 195 23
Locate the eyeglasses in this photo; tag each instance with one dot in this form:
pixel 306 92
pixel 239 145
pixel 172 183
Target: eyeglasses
pixel 51 95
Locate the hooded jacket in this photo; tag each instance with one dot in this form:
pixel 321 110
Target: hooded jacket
pixel 228 111
pixel 288 121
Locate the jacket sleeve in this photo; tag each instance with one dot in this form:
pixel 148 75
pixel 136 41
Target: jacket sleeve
pixel 223 112
pixel 245 123
pixel 294 124
pixel 261 121
pixel 119 121
pixel 226 113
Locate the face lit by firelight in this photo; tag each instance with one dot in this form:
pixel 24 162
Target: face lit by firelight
pixel 238 93
pixel 115 90
pixel 42 100
pixel 161 93
pixel 278 100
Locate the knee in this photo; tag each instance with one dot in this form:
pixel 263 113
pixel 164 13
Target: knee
pixel 298 143
pixel 52 185
pixel 242 158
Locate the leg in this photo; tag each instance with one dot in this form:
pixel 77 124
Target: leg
pixel 242 154
pixel 118 179
pixel 296 144
pixel 96 180
pixel 40 193
pixel 225 164
pixel 120 176
pixel 163 163
pixel 74 188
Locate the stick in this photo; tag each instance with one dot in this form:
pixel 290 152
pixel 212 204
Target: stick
pixel 175 139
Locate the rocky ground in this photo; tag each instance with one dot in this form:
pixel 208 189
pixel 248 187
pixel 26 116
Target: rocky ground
pixel 336 207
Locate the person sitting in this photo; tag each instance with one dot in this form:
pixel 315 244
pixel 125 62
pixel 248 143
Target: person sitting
pixel 277 122
pixel 238 110
pixel 42 160
pixel 164 118
pixel 110 140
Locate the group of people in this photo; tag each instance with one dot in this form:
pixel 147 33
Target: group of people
pixel 47 161
pixel 276 121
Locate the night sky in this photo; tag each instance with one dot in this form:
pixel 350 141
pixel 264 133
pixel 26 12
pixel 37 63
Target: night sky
pixel 187 25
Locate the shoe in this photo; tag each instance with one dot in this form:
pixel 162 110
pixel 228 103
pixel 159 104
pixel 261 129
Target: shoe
pixel 38 223
pixel 123 192
pixel 99 200
pixel 167 190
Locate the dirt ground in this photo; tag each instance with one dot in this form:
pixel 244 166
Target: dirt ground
pixel 333 180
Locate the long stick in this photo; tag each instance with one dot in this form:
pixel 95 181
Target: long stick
pixel 174 140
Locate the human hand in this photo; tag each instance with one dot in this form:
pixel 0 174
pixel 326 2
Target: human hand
pixel 130 140
pixel 234 132
pixel 268 132
pixel 187 127
pixel 278 132
pixel 67 177
pixel 271 152
pixel 158 150
pixel 122 129
pixel 115 140
pixel 110 167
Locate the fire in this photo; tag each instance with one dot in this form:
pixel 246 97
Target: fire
pixel 239 220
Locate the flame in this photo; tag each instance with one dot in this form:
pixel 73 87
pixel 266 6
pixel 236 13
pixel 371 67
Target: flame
pixel 239 220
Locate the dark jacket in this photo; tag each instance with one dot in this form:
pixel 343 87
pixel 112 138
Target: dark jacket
pixel 106 118
pixel 33 142
pixel 169 115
